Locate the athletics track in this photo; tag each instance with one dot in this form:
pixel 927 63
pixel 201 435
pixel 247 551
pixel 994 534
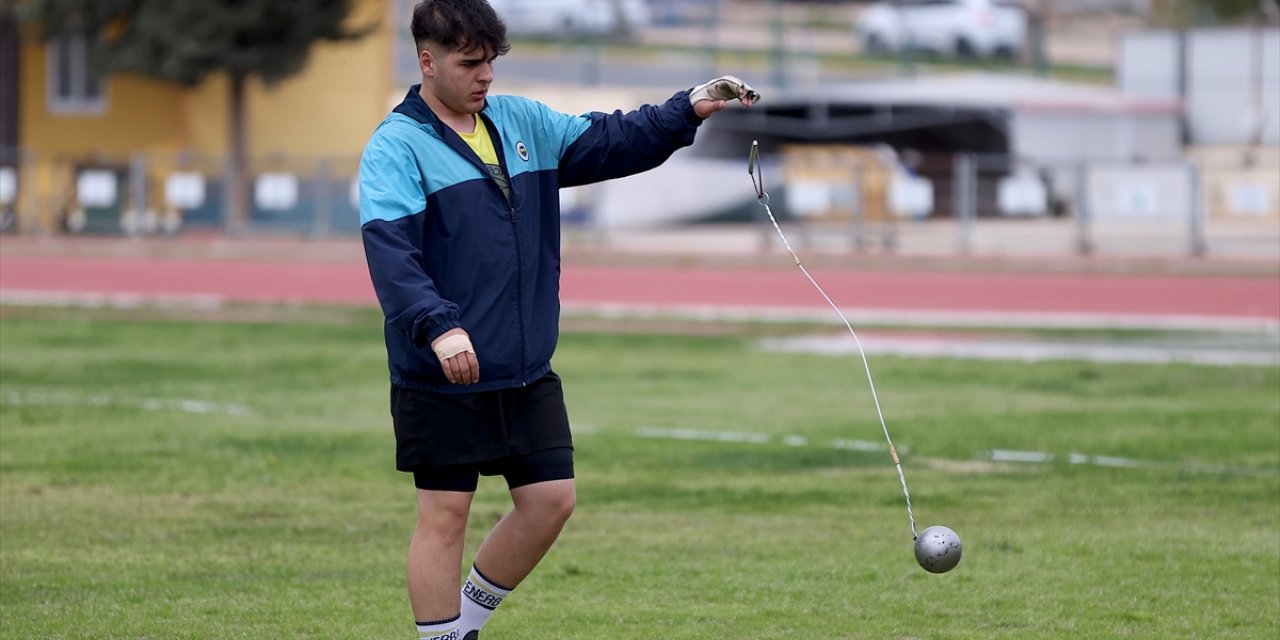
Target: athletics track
pixel 87 274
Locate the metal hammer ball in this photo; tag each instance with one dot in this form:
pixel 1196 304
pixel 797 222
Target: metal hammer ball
pixel 938 549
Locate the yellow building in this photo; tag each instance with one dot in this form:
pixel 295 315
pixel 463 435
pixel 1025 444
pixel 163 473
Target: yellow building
pixel 66 135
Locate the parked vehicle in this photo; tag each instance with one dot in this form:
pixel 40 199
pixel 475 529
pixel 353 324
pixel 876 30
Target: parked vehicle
pixel 946 27
pixel 570 18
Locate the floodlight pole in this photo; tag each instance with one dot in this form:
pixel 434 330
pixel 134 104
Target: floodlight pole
pixel 965 172
pixel 779 53
pixel 907 48
pixel 712 24
pixel 137 193
pixel 1084 238
pixel 1196 218
pixel 1039 58
pixel 321 186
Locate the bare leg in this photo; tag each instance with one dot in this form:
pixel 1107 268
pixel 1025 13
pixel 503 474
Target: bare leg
pixel 435 554
pixel 523 536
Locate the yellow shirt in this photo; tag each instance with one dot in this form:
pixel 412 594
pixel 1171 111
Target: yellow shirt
pixel 482 144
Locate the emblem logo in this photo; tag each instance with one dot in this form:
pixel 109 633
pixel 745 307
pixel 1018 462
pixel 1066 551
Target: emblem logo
pixel 522 150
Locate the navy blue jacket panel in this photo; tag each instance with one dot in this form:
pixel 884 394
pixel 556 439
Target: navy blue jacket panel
pixel 446 248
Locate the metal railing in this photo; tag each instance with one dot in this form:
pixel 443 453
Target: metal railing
pixel 1175 207
pixel 871 202
pixel 167 193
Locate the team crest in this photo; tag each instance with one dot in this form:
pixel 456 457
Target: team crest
pixel 522 150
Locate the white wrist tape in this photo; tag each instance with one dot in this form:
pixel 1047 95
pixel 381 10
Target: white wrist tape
pixel 452 346
pixel 723 88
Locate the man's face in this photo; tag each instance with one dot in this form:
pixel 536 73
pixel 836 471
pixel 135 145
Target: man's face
pixel 458 79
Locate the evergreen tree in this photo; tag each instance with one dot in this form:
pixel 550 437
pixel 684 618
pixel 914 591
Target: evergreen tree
pixel 185 41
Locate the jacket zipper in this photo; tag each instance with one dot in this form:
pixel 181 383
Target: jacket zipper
pixel 509 196
pixel 515 231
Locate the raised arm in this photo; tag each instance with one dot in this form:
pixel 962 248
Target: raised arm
pixel 622 144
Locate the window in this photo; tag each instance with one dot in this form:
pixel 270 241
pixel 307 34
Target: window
pixel 74 85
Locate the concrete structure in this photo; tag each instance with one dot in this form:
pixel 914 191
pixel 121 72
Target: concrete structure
pixel 981 140
pixel 1025 117
pixel 1229 79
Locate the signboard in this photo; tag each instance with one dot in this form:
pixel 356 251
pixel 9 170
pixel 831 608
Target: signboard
pixel 1249 198
pixel 1156 192
pixel 97 188
pixel 808 198
pixel 911 196
pixel 8 185
pixel 184 190
pixel 1022 194
pixel 276 191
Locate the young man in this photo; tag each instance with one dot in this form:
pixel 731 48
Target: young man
pixel 459 210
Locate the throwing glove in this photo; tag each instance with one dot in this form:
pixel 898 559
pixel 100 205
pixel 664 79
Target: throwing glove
pixel 724 88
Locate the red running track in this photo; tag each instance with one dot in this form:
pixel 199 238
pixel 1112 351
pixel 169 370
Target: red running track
pixel 346 283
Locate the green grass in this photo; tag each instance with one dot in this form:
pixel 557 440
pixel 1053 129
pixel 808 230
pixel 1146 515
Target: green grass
pixel 121 518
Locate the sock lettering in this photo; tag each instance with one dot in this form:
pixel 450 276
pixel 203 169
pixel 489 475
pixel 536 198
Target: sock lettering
pixel 480 596
pixel 448 635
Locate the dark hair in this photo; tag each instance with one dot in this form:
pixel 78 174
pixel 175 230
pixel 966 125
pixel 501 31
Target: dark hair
pixel 459 25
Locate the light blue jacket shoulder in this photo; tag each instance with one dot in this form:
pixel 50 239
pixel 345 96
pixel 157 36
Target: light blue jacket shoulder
pixel 407 160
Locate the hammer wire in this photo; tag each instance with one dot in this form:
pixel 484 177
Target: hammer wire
pixel 757 181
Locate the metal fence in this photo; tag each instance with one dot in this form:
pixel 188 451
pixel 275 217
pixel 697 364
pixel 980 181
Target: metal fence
pixel 860 198
pixel 872 198
pixel 168 193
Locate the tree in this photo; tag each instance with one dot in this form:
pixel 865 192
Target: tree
pixel 186 41
pixel 1211 12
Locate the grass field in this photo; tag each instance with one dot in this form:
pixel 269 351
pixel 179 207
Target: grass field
pixel 172 479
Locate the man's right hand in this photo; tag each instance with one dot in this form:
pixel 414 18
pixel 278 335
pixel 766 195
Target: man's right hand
pixel 457 357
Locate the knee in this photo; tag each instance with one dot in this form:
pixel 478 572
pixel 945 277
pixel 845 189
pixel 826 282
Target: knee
pixel 445 523
pixel 562 506
pixel 552 507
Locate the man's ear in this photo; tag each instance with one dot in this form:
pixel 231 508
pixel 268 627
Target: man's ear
pixel 426 62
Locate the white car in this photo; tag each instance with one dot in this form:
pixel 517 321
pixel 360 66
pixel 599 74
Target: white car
pixel 555 18
pixel 945 27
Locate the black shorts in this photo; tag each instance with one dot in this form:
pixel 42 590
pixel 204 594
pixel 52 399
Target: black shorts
pixel 447 429
pixel 540 466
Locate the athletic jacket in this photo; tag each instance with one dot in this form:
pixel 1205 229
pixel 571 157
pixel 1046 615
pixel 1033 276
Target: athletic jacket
pixel 447 249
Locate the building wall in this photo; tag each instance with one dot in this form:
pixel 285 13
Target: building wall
pixel 323 115
pixel 1240 183
pixel 1229 79
pixel 330 108
pixel 140 114
pixel 1064 135
pixel 1233 85
pixel 8 81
